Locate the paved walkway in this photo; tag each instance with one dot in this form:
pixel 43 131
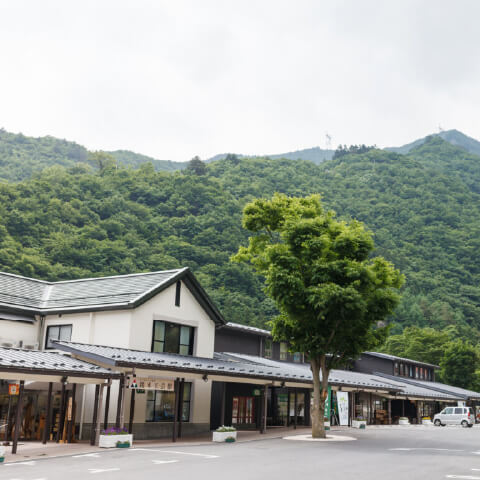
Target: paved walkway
pixel 36 450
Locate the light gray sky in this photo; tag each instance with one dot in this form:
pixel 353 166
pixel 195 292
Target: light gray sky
pixel 177 78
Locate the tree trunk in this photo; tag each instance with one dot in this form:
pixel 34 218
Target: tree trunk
pixel 320 392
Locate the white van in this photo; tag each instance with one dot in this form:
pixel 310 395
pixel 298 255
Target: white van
pixel 455 416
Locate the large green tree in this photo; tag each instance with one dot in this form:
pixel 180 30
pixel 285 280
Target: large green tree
pixel 329 291
pixel 459 365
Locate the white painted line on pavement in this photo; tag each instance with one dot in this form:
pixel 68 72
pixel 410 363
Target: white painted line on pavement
pixel 426 448
pixel 466 477
pixel 94 455
pixel 101 470
pixel 31 463
pixel 173 451
pixel 158 462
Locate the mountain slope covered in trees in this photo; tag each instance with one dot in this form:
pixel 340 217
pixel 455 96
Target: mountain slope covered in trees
pixel 424 209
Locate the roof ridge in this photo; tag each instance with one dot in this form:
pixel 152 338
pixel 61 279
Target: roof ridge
pixel 26 278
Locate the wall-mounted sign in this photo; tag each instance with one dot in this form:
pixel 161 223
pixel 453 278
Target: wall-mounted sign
pixel 13 388
pixel 145 383
pixel 342 402
pixel 256 392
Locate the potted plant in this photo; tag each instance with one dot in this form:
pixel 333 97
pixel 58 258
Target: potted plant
pixel 225 434
pixel 326 423
pixel 359 422
pixel 403 421
pixel 426 421
pixel 2 454
pixel 123 444
pixel 110 437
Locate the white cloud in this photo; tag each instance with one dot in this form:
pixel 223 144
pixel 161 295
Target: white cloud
pixel 175 79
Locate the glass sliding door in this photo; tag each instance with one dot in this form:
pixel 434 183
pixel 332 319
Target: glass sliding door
pixel 243 410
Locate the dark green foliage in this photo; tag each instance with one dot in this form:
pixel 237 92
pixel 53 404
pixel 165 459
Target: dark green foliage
pixel 459 365
pixel 343 150
pixel 196 166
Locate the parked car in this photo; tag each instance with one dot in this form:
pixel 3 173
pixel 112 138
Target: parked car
pixel 455 416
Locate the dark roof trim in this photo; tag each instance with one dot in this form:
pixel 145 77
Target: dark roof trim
pixel 15 317
pixel 394 358
pixel 58 373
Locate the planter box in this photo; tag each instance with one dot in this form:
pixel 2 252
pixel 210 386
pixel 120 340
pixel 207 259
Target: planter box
pixel 327 425
pixel 427 422
pixel 222 436
pixel 359 424
pixel 403 422
pixel 110 441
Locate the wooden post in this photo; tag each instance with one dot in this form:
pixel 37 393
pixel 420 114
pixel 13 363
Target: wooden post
pixel 61 418
pixel 48 416
pixel 7 425
pixel 120 400
pixel 295 411
pixel 222 407
pixel 95 414
pixel 288 407
pixel 371 409
pixel 403 408
pixel 122 405
pixel 107 407
pixel 18 417
pixel 99 415
pixel 132 410
pixel 389 411
pixel 263 426
pixel 180 409
pixel 175 411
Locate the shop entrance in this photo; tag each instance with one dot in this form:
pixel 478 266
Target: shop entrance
pixel 243 410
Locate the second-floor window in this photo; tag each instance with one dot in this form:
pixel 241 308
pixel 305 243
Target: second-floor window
pixel 57 332
pixel 297 357
pixel 172 338
pixel 268 348
pixel 283 351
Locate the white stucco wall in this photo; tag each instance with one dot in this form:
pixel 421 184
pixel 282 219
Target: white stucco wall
pixel 14 332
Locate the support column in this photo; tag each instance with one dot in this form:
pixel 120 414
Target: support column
pixel 61 418
pixel 222 408
pixel 180 408
pixel 288 407
pixel 371 409
pixel 122 405
pixel 175 410
pixel 132 411
pixel 389 411
pixel 295 411
pixel 403 408
pixel 18 417
pixel 263 426
pixel 71 420
pixel 120 400
pixel 107 408
pixel 95 414
pixel 7 425
pixel 99 415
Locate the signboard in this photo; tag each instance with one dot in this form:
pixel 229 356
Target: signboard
pixel 147 383
pixel 256 392
pixel 327 404
pixel 69 409
pixel 13 388
pixel 342 403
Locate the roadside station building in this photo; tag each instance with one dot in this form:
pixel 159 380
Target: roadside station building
pixel 162 361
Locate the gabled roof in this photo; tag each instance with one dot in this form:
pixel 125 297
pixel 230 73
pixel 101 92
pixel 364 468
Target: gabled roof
pixel 24 294
pixel 387 356
pixel 49 363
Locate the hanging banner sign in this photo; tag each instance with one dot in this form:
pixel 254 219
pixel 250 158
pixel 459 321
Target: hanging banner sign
pixel 327 403
pixel 145 383
pixel 13 388
pixel 342 402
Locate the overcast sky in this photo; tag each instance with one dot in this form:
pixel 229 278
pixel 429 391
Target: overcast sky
pixel 173 79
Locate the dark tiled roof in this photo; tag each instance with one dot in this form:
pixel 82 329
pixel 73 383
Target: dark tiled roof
pixel 399 359
pixel 248 328
pixel 36 362
pixel 228 365
pixel 440 388
pixel 122 291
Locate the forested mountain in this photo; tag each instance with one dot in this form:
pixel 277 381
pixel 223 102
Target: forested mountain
pixel 315 155
pixel 453 137
pixel 424 209
pixel 22 156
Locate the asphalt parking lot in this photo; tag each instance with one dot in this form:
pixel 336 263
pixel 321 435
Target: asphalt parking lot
pixel 377 453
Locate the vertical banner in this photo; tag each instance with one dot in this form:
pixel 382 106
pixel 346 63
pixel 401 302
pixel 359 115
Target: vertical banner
pixel 342 402
pixel 327 403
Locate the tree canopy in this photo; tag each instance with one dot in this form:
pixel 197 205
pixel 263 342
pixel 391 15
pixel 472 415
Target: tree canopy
pixel 317 269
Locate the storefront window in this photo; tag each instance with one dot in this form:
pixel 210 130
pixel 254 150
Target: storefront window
pixel 243 410
pixel 57 332
pixel 283 351
pixel 395 368
pixel 172 338
pixel 161 405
